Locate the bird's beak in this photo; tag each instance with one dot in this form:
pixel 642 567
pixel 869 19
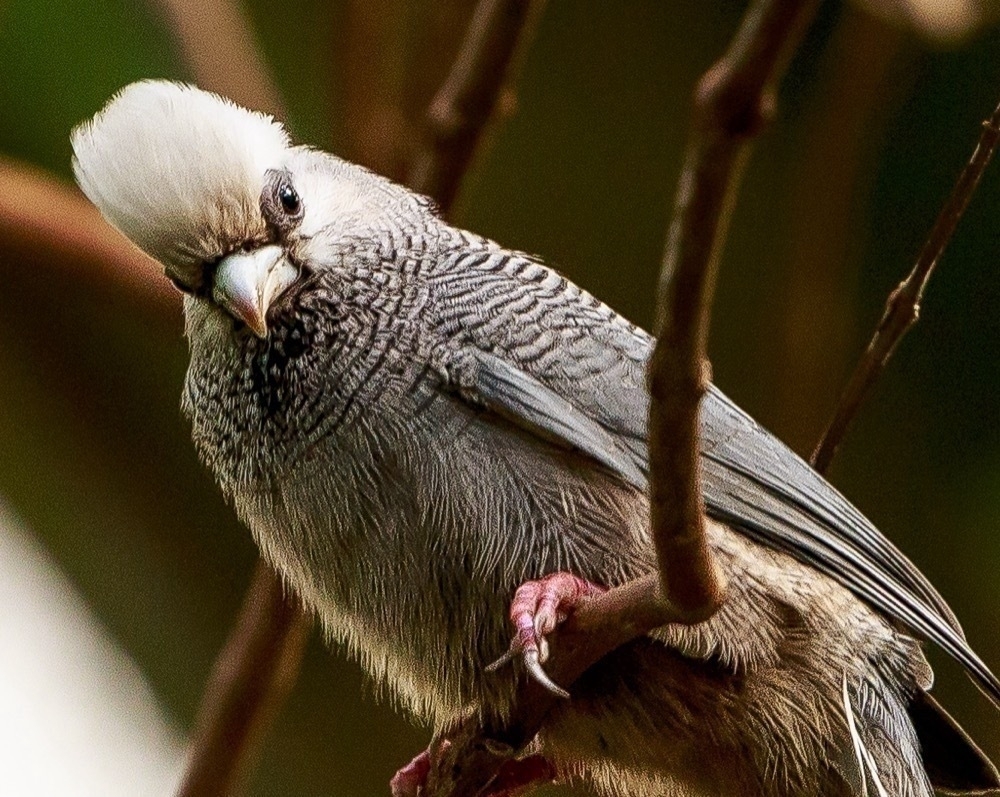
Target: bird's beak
pixel 247 282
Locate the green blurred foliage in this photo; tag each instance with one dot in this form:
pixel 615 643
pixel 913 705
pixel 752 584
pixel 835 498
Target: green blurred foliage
pixel 94 455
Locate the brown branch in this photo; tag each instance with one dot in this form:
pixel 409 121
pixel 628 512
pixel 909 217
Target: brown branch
pixel 459 112
pixel 51 223
pixel 468 766
pixel 732 101
pixel 250 681
pixel 218 43
pixel 903 306
pixel 435 34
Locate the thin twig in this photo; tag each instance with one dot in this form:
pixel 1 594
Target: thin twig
pixel 902 309
pixel 732 101
pixel 465 103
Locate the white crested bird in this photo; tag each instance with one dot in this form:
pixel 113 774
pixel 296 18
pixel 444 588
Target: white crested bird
pixel 414 422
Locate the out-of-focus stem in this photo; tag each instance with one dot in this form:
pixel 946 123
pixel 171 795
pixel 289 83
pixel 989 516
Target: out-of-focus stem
pixel 460 110
pixel 903 305
pixel 250 681
pixel 56 224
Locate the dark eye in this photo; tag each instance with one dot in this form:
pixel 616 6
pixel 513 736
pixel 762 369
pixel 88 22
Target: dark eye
pixel 280 203
pixel 289 199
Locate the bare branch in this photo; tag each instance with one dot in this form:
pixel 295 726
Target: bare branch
pixel 603 623
pixel 54 224
pixel 218 43
pixel 903 306
pixel 249 683
pixel 435 35
pixel 732 101
pixel 460 110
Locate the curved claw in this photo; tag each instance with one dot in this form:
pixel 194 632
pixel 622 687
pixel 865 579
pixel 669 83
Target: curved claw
pixel 537 672
pixel 506 658
pixel 536 609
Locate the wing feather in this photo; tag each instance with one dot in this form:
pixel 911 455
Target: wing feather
pixel 751 481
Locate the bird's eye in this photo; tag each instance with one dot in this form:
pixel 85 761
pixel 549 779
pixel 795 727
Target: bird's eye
pixel 289 199
pixel 280 203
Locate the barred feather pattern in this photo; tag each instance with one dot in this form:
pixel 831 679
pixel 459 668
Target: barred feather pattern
pixel 405 510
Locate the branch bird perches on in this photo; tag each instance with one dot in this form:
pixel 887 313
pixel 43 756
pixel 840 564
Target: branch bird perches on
pixel 731 104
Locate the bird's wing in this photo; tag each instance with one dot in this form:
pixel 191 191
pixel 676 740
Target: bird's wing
pixel 751 480
pixel 754 482
pixel 526 402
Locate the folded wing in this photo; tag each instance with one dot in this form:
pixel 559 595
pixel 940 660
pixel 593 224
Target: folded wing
pixel 751 481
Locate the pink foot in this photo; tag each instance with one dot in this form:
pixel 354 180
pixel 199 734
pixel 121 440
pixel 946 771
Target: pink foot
pixel 411 780
pixel 538 607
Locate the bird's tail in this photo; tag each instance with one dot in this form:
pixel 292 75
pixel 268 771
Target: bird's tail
pixel 952 760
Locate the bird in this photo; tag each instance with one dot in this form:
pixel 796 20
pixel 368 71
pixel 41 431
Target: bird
pixel 428 435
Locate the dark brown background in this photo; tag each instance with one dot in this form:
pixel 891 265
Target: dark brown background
pixel 876 122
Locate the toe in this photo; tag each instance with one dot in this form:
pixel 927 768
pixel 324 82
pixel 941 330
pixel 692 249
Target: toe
pixel 537 608
pixel 411 779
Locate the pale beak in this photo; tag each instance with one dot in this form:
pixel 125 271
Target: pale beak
pixel 247 282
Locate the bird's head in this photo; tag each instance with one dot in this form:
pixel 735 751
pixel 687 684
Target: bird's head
pixel 205 187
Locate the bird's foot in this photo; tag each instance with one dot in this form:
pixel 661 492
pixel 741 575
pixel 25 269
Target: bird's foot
pixel 512 779
pixel 538 607
pixel 409 781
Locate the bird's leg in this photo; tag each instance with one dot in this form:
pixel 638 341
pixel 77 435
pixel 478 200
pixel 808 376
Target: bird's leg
pixel 513 777
pixel 538 607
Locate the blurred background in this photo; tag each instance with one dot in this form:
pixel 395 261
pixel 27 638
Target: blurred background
pixel 121 569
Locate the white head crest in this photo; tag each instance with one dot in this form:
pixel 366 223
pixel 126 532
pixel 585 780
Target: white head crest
pixel 178 170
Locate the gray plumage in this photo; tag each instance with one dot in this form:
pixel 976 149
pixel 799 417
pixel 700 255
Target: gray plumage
pixel 429 420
